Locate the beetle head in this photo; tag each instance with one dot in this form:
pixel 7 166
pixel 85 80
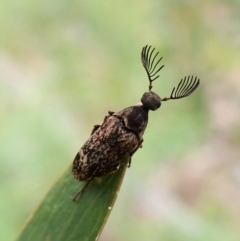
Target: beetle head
pixel 151 100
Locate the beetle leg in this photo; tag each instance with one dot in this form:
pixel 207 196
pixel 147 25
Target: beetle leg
pixel 130 161
pixel 95 127
pixel 131 154
pixel 111 112
pixel 138 146
pixel 80 192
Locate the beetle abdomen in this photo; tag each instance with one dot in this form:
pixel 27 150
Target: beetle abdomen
pixel 103 151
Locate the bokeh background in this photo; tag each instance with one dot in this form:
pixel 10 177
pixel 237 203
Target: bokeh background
pixel 64 64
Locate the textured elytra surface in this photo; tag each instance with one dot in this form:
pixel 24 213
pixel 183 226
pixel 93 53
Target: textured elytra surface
pixel 103 151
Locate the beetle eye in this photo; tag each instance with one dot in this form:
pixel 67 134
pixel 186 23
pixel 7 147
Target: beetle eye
pixel 151 100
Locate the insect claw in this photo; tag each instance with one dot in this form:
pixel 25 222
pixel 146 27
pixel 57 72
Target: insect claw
pixel 111 112
pixel 129 163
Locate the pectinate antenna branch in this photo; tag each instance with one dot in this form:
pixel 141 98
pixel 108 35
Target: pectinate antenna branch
pixel 185 88
pixel 149 64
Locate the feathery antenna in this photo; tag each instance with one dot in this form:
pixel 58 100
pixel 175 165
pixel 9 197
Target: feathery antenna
pixel 149 64
pixel 184 88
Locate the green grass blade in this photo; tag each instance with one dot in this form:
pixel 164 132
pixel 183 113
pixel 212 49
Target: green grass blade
pixel 59 218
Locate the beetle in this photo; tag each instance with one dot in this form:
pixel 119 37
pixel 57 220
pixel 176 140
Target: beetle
pixel 121 133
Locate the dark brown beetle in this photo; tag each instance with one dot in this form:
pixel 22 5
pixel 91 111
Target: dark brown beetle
pixel 121 133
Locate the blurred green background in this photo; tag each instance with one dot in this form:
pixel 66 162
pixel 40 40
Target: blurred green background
pixel 64 64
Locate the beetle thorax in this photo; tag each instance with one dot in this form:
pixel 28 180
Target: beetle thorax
pixel 135 118
pixel 151 100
